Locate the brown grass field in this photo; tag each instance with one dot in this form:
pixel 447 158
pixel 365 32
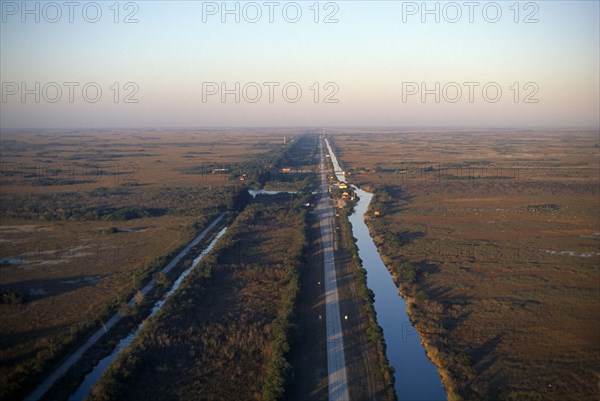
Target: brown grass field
pixel 85 218
pixel 223 324
pixel 494 239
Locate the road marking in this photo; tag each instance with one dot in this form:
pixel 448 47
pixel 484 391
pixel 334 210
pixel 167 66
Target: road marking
pixel 336 362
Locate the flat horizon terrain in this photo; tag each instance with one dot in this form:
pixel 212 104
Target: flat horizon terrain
pixel 494 239
pixel 133 133
pixel 86 217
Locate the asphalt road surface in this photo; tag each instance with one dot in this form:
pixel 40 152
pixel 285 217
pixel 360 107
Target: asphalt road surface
pixel 336 363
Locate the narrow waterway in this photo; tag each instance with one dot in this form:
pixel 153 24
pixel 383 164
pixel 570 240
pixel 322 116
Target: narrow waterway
pixel 95 375
pixel 417 378
pixel 254 192
pixel 63 368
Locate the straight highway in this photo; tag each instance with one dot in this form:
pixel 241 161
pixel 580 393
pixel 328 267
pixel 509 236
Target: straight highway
pixel 336 363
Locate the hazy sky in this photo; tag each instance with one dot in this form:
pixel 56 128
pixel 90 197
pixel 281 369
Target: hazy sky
pixel 377 61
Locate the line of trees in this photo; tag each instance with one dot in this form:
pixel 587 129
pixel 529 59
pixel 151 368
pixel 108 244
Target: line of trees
pixel 374 330
pixel 231 320
pixel 279 367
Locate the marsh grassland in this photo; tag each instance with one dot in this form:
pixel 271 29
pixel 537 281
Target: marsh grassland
pixel 86 219
pixel 493 237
